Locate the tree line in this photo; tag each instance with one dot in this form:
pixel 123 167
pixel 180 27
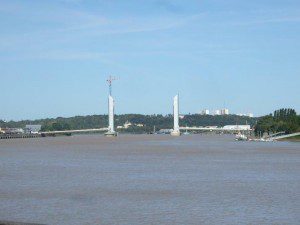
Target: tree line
pixel 149 121
pixel 282 120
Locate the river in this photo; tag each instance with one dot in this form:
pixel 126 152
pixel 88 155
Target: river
pixel 149 179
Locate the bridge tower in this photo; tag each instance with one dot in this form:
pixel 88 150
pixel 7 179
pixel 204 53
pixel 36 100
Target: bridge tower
pixel 111 105
pixel 176 131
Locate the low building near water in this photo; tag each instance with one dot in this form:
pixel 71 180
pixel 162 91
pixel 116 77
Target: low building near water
pixel 33 129
pixel 237 127
pixel 127 124
pixel 12 130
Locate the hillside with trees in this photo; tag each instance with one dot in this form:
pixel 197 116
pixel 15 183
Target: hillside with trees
pixel 149 121
pixel 282 120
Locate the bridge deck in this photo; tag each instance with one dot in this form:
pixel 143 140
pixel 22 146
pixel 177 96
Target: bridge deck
pixel 213 129
pixel 75 131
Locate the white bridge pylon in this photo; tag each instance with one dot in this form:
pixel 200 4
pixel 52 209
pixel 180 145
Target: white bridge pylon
pixel 111 130
pixel 111 114
pixel 111 106
pixel 176 130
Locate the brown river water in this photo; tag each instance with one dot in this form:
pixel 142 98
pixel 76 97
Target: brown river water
pixel 149 179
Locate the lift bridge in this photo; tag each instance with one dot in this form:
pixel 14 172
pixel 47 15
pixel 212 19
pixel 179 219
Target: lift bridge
pixel 176 131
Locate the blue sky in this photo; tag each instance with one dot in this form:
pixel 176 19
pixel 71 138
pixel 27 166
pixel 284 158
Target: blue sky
pixel 55 56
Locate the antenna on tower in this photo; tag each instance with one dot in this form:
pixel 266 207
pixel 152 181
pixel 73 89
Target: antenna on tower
pixel 109 81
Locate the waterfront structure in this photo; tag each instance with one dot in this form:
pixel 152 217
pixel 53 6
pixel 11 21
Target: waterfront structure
pixel 176 131
pixel 111 130
pixel 230 128
pixel 237 127
pixel 165 131
pixel 33 129
pixel 12 131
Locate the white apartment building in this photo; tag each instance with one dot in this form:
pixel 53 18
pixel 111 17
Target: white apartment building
pixel 204 112
pixel 224 111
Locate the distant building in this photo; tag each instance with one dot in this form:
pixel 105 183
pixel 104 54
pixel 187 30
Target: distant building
pixel 224 111
pixel 127 124
pixel 244 114
pixel 204 112
pixel 12 130
pixel 250 115
pixel 33 129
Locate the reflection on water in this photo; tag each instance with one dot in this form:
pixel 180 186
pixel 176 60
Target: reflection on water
pixel 158 179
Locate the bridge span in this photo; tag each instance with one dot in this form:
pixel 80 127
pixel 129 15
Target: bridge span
pixel 236 129
pixel 74 131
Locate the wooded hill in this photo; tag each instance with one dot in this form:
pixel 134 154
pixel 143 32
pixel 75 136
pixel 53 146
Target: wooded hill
pixel 282 120
pixel 149 121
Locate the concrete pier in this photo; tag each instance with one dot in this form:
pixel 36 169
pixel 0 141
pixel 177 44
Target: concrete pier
pixel 13 136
